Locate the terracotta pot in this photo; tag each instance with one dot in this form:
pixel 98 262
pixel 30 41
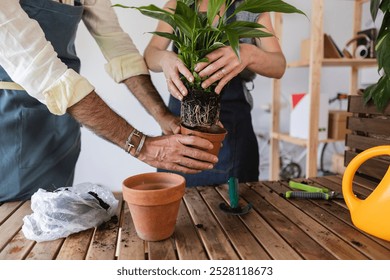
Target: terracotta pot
pixel 215 134
pixel 154 200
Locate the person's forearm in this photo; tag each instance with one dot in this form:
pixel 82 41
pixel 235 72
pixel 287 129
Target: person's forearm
pixel 143 89
pixel 94 113
pixel 174 152
pixel 153 58
pixel 267 64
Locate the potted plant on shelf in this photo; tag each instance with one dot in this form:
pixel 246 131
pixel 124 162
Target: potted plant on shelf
pixel 371 107
pixel 379 93
pixel 368 150
pixel 195 36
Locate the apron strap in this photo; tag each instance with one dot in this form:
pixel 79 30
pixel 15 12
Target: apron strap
pixel 10 86
pixel 67 2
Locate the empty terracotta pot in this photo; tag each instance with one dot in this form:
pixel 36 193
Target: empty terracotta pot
pixel 215 134
pixel 154 201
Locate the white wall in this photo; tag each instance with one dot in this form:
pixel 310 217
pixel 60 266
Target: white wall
pixel 103 163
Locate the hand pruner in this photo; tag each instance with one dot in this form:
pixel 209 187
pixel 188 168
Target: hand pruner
pixel 303 190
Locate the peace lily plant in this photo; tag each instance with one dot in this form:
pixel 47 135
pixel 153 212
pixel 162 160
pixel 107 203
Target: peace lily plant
pixel 195 34
pixel 379 93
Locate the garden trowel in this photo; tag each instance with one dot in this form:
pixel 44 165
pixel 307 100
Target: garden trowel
pixel 234 207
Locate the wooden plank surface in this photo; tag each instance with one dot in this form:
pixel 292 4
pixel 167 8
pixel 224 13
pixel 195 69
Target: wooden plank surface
pixel 6 209
pixel 162 250
pixel 378 125
pixel 17 248
pixel 289 231
pixel 361 143
pixel 356 105
pixel 376 167
pixel 130 246
pixel 369 128
pixel 326 238
pixel 362 191
pixel 75 246
pixel 335 185
pixel 275 228
pixel 10 227
pixel 268 237
pixel 214 239
pixel 185 230
pixel 241 238
pixel 104 240
pixel 46 250
pixel 361 181
pixel 320 211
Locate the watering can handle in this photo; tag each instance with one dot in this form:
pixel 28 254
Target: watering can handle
pixel 350 199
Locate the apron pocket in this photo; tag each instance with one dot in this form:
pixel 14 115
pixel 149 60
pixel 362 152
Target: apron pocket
pixel 38 136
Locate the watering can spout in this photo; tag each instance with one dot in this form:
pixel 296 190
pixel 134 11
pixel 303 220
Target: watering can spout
pixel 371 214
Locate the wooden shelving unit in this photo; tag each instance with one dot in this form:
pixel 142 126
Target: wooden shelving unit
pixel 342 62
pixel 314 64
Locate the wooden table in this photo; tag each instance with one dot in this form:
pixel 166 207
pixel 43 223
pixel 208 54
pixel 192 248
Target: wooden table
pixel 276 228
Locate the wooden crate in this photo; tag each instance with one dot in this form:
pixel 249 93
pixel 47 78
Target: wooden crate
pixel 368 128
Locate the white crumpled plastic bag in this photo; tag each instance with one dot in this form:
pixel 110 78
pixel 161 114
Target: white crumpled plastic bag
pixel 57 214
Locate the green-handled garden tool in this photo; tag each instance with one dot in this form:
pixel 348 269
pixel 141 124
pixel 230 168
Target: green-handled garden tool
pixel 310 192
pixel 234 207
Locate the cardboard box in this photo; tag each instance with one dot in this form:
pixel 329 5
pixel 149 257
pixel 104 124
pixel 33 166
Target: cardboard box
pixel 337 125
pixel 299 118
pixel 331 50
pixel 338 164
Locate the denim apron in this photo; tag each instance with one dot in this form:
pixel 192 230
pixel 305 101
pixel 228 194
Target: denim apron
pixel 39 149
pixel 239 155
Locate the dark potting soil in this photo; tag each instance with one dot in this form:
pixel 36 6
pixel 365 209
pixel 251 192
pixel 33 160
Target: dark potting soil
pixel 200 109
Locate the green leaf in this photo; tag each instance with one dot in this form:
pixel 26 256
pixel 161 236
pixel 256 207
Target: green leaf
pixel 167 35
pixel 249 24
pixel 194 33
pixel 121 6
pixel 368 92
pixel 234 42
pixel 157 13
pixel 382 45
pixel 186 19
pixel 213 8
pixel 383 53
pixel 252 33
pixel 382 96
pixel 256 6
pixel 385 5
pixel 379 93
pixel 374 8
pixel 246 29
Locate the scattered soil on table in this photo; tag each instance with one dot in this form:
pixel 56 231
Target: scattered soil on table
pixel 111 224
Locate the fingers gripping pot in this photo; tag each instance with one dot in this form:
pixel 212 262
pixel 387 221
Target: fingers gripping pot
pixel 215 134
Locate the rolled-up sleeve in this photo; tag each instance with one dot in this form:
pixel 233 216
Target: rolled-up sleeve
pixel 123 58
pixel 30 60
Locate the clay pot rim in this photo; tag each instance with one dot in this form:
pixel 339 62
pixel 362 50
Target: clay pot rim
pixel 222 132
pixel 151 196
pixel 178 180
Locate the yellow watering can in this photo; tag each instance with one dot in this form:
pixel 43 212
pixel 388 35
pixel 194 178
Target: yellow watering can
pixel 372 214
